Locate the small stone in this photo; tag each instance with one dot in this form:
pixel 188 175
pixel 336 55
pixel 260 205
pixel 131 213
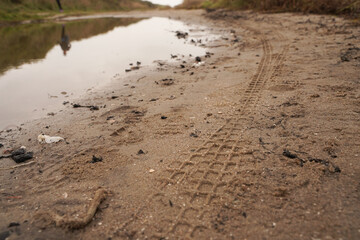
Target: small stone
pixel 140 152
pixel 163 117
pixel 96 159
pixel 151 170
pixel 193 135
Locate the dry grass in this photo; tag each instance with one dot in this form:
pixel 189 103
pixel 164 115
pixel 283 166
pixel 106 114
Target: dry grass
pixel 15 10
pixel 310 6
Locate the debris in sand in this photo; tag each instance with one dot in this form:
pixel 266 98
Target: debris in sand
pixel 350 54
pixel 96 159
pixel 198 59
pixel 180 34
pixel 140 152
pixel 14 224
pixel 288 154
pixel 151 170
pixel 47 139
pixel 198 64
pixel 193 135
pixel 19 155
pixel 1 145
pixel 91 107
pixel 163 117
pixel 77 223
pixel 127 70
pixel 166 82
pixel 208 54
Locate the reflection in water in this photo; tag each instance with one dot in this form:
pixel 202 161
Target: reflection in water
pixel 100 50
pixel 31 42
pixel 64 41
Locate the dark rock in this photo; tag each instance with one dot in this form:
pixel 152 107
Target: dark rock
pixel 96 159
pixel 163 117
pixel 76 105
pixel 94 108
pixel 140 152
pixel 181 34
pixel 114 97
pixel 1 145
pixel 198 59
pixel 193 135
pixel 288 154
pixel 14 224
pixel 22 157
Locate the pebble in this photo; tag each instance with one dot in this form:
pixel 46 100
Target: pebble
pixel 151 170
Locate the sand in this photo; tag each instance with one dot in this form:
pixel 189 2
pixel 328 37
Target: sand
pixel 259 142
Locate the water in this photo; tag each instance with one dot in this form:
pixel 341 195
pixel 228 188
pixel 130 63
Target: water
pixel 171 3
pixel 43 65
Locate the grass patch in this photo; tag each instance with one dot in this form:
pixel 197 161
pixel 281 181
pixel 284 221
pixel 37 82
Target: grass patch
pixel 19 10
pixel 349 7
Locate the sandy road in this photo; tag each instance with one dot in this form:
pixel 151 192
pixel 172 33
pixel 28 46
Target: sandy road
pixel 280 88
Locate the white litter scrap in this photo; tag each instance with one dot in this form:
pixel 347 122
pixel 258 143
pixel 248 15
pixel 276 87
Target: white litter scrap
pixel 47 139
pixel 198 64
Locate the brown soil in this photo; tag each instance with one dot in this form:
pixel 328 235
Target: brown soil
pixel 260 142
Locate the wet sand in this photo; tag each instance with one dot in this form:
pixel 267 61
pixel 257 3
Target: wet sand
pixel 259 142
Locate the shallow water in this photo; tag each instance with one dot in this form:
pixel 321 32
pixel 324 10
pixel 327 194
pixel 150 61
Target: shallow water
pixel 43 65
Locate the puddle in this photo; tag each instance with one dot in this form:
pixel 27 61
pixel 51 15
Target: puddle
pixel 43 65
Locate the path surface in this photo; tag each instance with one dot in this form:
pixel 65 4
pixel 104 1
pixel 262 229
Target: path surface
pixel 260 142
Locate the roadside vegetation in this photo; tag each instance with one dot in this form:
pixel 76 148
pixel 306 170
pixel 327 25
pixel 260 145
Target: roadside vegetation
pixel 350 7
pixel 19 10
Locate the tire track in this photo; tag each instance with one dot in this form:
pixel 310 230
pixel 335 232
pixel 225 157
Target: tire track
pixel 212 173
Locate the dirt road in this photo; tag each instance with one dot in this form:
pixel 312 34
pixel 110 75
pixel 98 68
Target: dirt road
pixel 259 142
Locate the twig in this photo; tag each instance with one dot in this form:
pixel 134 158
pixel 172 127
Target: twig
pixel 141 78
pixel 19 165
